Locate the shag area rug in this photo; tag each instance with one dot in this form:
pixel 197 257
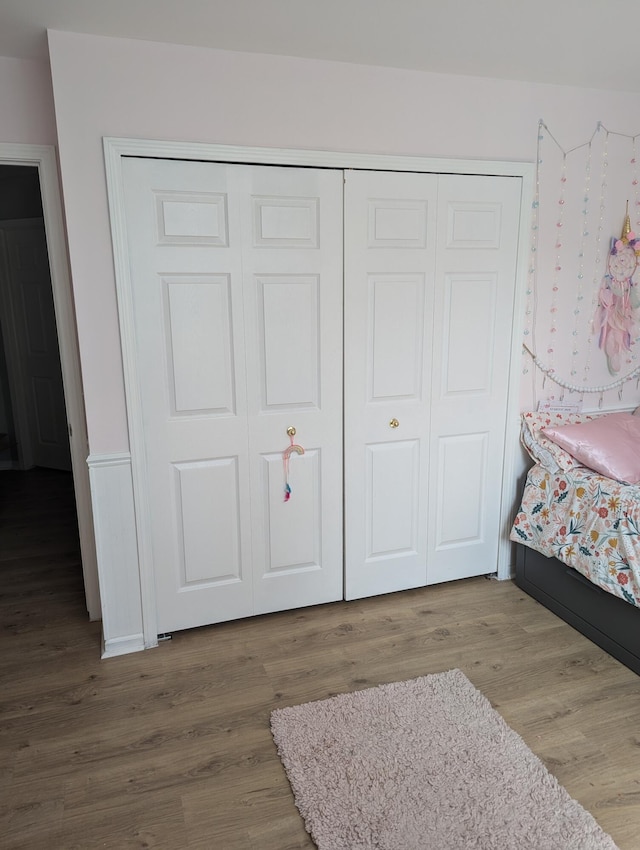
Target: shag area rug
pixel 426 764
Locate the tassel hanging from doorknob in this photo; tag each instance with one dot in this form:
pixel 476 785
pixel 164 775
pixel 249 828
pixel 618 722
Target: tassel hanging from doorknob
pixel 293 448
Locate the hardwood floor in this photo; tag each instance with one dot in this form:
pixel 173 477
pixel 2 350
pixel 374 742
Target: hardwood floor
pixel 171 748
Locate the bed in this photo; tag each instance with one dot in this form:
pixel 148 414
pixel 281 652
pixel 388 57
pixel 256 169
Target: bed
pixel 578 529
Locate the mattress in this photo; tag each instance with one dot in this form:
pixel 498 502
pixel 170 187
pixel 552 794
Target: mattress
pixel 587 521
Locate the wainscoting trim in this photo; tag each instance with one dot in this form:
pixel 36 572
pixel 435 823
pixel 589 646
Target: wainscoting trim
pixel 117 550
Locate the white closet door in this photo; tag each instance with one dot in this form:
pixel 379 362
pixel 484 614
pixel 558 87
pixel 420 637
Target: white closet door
pixel 478 224
pixel 209 296
pixel 292 270
pixel 430 269
pixel 389 295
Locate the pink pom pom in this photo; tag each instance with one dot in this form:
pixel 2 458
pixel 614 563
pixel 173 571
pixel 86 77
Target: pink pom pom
pixel 619 244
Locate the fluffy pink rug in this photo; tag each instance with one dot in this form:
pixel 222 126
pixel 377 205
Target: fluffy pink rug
pixel 424 765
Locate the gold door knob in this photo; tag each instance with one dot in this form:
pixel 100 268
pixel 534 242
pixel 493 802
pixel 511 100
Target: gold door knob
pixel 394 423
pixel 291 431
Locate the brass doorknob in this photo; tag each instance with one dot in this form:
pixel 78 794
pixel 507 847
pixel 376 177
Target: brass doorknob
pixel 394 423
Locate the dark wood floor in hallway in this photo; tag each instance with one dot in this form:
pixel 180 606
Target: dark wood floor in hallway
pixel 171 748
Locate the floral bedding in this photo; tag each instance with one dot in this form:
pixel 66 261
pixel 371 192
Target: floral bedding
pixel 587 521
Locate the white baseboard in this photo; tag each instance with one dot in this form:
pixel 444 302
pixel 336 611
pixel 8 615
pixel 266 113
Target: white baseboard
pixel 122 645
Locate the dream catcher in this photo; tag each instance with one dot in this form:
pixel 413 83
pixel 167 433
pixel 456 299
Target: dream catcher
pixel 614 321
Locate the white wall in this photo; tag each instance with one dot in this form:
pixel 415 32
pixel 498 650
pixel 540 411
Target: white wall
pixel 116 87
pixel 26 102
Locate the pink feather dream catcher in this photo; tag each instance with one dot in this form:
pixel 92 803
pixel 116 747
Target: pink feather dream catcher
pixel 618 297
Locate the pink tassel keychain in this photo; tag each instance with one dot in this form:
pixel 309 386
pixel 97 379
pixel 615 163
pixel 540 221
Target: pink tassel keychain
pixel 285 459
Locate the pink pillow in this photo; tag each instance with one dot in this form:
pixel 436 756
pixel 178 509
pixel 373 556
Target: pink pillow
pixel 609 444
pixel 541 449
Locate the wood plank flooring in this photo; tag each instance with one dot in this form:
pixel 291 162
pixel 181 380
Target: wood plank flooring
pixel 171 748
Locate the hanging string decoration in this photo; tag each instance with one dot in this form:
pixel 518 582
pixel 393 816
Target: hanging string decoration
pixel 560 230
pixel 577 388
pixel 618 297
pixel 532 306
pixel 557 269
pixel 635 185
pixel 584 236
pixel 565 284
pixel 598 252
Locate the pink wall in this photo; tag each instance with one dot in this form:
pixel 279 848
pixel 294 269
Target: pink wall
pixel 26 102
pixel 115 87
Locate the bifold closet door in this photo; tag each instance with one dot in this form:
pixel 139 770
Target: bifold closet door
pixel 236 293
pixel 430 267
pixel 476 259
pixel 390 238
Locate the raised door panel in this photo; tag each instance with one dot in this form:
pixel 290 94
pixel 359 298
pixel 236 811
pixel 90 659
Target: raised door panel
pixel 392 496
pixel 395 360
pixel 294 542
pixel 199 336
pixel 461 477
pixel 208 517
pixel 286 221
pixel 396 222
pixel 288 343
pixel 476 271
pixel 389 262
pixel 469 324
pixel 192 218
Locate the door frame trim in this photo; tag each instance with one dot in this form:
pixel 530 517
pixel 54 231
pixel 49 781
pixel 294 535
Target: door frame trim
pixel 115 149
pixel 44 159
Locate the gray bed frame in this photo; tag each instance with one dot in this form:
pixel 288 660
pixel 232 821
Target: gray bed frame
pixel 610 622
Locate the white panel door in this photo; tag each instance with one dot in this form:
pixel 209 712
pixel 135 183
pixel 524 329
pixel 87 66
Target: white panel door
pixel 430 265
pixel 390 232
pixel 219 254
pixel 292 271
pixel 478 224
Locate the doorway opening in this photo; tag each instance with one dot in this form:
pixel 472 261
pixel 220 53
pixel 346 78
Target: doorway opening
pixel 33 419
pixel 36 479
